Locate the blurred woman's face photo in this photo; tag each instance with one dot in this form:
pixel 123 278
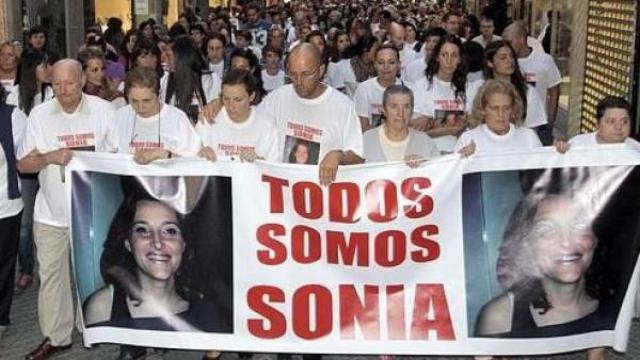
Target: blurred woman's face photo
pixel 562 241
pixel 302 154
pixel 156 240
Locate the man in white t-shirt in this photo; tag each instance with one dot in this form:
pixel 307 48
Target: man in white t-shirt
pixel 397 35
pixel 70 121
pixel 486 36
pixel 540 71
pixel 314 117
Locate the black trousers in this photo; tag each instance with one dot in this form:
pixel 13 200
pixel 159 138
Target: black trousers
pixel 9 240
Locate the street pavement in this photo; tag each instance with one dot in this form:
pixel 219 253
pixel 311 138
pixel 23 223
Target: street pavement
pixel 24 334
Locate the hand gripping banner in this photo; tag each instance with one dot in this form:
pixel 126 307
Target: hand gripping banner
pixel 519 253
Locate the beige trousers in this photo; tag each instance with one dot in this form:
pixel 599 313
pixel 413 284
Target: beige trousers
pixel 55 302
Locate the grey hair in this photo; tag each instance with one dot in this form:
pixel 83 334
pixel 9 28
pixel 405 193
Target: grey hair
pixel 396 89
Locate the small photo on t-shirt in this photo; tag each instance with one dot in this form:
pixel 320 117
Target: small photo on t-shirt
pixel 300 151
pixel 531 78
pixel 449 118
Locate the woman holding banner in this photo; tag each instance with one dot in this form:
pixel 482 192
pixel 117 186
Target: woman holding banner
pixel 496 122
pixel 394 140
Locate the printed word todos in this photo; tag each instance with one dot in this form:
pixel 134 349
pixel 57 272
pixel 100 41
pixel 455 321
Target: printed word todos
pixel 380 199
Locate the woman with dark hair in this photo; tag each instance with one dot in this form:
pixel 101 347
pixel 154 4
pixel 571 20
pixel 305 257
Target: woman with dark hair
pixel 245 59
pixel 339 43
pixel 357 66
pixel 214 48
pixel 126 47
pixel 368 96
pixel 551 265
pixel 146 30
pixel 272 75
pixel 501 63
pixel 146 266
pixel 444 89
pixel 97 84
pixel 299 154
pixel 188 85
pixel 33 80
pixel 146 54
pixel 239 131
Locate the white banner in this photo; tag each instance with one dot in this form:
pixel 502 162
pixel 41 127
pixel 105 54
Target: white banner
pixel 458 256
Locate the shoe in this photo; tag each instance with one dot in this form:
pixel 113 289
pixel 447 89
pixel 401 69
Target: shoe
pixel 24 281
pixel 45 349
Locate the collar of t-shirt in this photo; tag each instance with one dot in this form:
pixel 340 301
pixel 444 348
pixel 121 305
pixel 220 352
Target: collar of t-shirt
pixel 392 143
pixel 82 108
pixel 315 101
pixel 152 118
pixel 224 117
pixel 496 137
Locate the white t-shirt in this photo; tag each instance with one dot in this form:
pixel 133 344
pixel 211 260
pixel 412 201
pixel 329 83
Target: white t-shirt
pixel 272 82
pixel 229 139
pixel 49 128
pixel 217 69
pixel 328 122
pixel 590 140
pixel 14 97
pixel 480 40
pixel 415 70
pixel 368 100
pixel 170 129
pixel 540 71
pixel 407 55
pixel 518 138
pixel 8 85
pixel 18 126
pixel 433 100
pixel 333 75
pixel 346 77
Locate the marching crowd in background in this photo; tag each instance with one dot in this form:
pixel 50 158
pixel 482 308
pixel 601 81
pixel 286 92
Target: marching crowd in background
pixel 312 82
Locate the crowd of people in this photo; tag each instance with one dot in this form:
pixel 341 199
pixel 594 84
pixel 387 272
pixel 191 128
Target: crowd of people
pixel 323 83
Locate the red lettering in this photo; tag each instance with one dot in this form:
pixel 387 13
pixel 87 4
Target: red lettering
pixel 273 324
pixel 430 249
pixel 395 312
pixel 322 312
pixel 337 246
pixel 398 242
pixel 344 201
pixel 422 204
pixel 276 195
pixel 367 314
pixel 431 296
pixel 277 252
pixel 305 238
pixel 384 210
pixel 300 203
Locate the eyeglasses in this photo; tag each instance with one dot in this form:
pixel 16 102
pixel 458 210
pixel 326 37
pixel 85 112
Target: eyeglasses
pixel 303 75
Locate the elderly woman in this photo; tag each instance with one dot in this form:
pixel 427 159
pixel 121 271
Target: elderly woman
pixel 394 140
pixel 550 265
pixel 148 128
pixel 9 56
pixel 368 97
pixel 496 122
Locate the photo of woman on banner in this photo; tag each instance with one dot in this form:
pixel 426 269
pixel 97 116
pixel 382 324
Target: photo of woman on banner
pixel 147 265
pixel 301 151
pixel 553 261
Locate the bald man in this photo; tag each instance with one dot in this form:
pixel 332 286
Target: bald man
pixel 540 71
pixel 397 36
pixel 70 121
pixel 310 113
